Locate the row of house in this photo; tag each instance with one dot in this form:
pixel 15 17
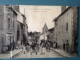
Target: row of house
pixel 10 28
pixel 65 30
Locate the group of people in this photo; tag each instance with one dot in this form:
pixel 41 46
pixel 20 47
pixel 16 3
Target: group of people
pixel 35 47
pixel 66 46
pixel 48 45
pixel 32 48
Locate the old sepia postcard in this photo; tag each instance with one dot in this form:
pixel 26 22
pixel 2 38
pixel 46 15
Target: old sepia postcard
pixel 37 31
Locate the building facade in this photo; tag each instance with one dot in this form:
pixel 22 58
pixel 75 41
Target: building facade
pixel 13 27
pixel 22 27
pixel 8 27
pixel 65 30
pixel 19 34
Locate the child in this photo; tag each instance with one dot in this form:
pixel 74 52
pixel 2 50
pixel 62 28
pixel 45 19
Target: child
pixel 43 50
pixel 24 49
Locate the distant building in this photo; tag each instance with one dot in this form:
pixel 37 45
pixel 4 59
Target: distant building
pixel 37 36
pixel 45 28
pixel 45 31
pixel 51 35
pixel 41 37
pixel 65 30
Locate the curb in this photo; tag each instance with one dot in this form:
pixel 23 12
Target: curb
pixel 15 54
pixel 61 54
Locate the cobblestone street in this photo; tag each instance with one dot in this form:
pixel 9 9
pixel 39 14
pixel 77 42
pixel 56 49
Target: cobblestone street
pixel 50 54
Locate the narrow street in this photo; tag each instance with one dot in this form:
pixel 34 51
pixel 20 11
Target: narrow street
pixel 50 54
pixel 38 31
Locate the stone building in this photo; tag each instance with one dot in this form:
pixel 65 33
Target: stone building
pixel 44 34
pixel 8 29
pixel 65 30
pixel 51 35
pixel 13 27
pixel 45 31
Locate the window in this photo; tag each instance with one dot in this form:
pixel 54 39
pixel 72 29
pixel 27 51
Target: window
pixel 66 26
pixel 13 24
pixel 1 23
pixel 8 23
pixel 10 39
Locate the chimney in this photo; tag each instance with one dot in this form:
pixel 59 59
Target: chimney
pixel 63 8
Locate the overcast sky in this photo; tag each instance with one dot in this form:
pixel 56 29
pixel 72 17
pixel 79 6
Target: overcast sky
pixel 37 16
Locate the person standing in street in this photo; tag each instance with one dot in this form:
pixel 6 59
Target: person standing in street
pixel 64 46
pixel 24 49
pixel 33 48
pixel 42 50
pixel 67 45
pixel 56 45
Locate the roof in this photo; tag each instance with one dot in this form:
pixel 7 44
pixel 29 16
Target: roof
pixel 45 26
pixel 20 13
pixel 51 29
pixel 20 22
pixel 62 13
pixel 13 10
pixel 17 12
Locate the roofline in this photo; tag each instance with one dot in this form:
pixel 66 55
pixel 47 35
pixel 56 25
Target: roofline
pixel 20 22
pixel 16 12
pixel 62 13
pixel 19 12
pixel 50 29
pixel 13 10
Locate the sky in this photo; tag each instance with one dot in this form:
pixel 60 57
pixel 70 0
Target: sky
pixel 37 16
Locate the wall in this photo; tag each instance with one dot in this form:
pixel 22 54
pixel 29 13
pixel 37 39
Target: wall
pixel 61 35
